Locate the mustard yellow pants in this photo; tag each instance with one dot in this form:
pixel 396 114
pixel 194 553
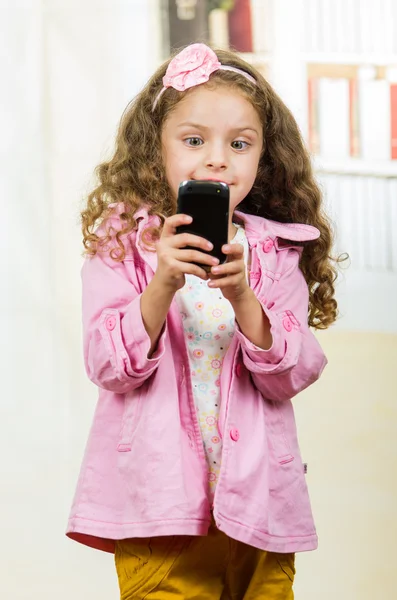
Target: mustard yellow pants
pixel 212 567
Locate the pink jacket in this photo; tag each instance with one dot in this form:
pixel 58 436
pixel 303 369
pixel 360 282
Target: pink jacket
pixel 144 472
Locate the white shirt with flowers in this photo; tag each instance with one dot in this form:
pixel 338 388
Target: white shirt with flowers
pixel 209 325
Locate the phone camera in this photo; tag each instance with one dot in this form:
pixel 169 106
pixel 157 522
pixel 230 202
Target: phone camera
pixel 189 189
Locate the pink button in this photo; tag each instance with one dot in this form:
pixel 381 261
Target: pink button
pixel 293 319
pixel 235 435
pixel 287 324
pixel 268 245
pixel 238 369
pixel 110 323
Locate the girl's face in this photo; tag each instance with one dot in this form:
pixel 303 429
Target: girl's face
pixel 213 134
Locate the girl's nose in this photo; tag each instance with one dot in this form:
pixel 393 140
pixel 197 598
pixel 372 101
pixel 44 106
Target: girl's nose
pixel 216 159
pixel 217 165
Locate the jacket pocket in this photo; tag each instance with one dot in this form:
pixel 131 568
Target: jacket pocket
pixel 278 438
pixel 132 410
pixel 286 563
pixel 143 564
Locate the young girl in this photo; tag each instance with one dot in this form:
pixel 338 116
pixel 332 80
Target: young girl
pixel 192 474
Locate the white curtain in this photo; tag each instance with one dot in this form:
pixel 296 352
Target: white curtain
pixel 68 68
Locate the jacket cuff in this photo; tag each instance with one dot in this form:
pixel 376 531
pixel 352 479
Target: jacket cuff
pixel 279 355
pixel 128 342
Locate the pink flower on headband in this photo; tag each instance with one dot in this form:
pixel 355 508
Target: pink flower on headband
pixel 191 67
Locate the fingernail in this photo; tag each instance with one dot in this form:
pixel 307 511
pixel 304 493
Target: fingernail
pixel 215 269
pixel 209 246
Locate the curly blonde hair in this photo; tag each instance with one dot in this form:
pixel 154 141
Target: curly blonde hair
pixel 285 189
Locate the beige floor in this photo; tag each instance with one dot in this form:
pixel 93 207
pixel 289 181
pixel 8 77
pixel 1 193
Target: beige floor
pixel 348 431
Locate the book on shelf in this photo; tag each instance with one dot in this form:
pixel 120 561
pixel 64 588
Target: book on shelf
pixel 314 140
pixel 245 26
pixel 374 115
pixel 329 117
pixel 393 118
pixel 354 116
pixel 354 126
pixel 262 24
pixel 219 28
pixel 240 26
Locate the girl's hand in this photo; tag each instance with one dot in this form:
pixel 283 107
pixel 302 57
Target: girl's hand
pixel 175 260
pixel 231 277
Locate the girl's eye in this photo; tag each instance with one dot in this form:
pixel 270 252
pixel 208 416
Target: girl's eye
pixel 239 145
pixel 194 141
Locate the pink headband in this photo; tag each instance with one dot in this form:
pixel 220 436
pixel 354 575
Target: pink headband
pixel 193 66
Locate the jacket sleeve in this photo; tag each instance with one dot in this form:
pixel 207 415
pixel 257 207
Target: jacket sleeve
pixel 295 359
pixel 116 343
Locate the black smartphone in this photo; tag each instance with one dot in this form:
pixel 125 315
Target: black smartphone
pixel 207 202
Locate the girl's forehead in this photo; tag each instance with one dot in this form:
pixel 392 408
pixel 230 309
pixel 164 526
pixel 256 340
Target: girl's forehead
pixel 213 103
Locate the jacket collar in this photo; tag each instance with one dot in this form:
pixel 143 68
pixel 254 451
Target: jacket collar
pixel 259 228
pixel 145 220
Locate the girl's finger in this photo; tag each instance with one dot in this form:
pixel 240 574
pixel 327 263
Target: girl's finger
pixel 194 256
pixel 225 282
pixel 188 268
pixel 171 223
pixel 229 268
pixel 233 250
pixel 182 240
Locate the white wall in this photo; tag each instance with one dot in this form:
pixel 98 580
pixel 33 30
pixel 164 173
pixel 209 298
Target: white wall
pixel 68 70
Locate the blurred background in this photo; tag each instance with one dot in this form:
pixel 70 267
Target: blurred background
pixel 68 69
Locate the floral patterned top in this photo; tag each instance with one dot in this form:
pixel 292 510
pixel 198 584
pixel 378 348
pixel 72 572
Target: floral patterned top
pixel 208 320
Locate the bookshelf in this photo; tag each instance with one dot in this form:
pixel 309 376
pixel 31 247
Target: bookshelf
pixel 294 41
pixel 341 41
pixel 356 166
pixel 352 116
pixel 334 58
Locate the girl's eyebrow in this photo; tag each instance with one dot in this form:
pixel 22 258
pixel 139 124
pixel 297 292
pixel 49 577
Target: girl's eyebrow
pixel 190 124
pixel 234 129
